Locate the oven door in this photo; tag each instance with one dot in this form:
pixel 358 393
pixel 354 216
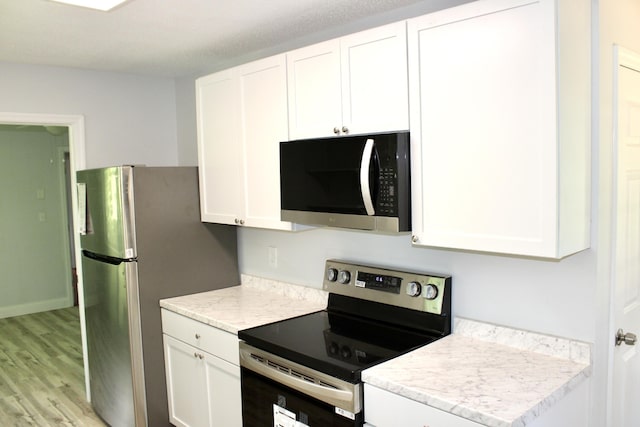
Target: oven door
pixel 278 392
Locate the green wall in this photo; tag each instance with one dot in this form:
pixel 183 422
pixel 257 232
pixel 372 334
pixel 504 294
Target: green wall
pixel 35 261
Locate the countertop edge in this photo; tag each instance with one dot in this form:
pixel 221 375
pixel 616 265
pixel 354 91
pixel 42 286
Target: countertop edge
pixel 546 403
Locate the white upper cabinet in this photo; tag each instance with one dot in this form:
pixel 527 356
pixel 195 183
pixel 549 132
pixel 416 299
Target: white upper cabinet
pixel 314 90
pixel 219 148
pixel 500 127
pixel 242 117
pixel 351 85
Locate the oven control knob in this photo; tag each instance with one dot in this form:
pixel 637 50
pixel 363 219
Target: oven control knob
pixel 345 352
pixel 332 274
pixel 333 348
pixel 430 291
pixel 344 277
pixel 414 289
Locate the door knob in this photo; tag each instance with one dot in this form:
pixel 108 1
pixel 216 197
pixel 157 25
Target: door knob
pixel 628 338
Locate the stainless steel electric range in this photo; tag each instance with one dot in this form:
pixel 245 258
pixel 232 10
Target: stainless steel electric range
pixel 305 371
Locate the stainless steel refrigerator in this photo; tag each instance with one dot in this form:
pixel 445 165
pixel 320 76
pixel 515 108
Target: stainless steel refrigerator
pixel 142 240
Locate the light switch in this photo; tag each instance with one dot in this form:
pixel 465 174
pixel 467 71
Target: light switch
pixel 40 194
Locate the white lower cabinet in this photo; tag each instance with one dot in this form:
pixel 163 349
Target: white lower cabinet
pixel 385 409
pixel 203 376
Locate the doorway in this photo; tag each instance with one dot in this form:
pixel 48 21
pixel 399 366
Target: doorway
pixel 77 161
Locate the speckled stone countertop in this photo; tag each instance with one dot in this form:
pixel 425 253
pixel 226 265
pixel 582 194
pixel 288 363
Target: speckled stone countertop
pixel 489 374
pixel 256 302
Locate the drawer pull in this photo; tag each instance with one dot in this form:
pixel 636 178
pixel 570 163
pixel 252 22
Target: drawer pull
pixel 197 336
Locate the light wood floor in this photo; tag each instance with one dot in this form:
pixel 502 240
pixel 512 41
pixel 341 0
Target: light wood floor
pixel 41 371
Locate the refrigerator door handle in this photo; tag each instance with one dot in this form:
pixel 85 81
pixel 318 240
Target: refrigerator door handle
pixel 104 258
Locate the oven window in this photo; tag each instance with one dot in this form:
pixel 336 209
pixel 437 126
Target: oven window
pixel 259 394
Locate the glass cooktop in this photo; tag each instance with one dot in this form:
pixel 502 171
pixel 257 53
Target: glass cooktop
pixel 337 344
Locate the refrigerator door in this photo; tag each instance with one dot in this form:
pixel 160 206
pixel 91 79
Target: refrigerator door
pixel 106 214
pixel 112 318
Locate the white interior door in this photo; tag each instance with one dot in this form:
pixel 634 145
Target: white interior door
pixel 626 369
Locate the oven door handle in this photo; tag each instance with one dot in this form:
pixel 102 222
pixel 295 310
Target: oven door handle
pixel 342 398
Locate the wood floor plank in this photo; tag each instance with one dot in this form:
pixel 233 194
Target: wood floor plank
pixel 42 373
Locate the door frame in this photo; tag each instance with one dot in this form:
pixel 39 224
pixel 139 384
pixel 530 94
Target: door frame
pixel 77 156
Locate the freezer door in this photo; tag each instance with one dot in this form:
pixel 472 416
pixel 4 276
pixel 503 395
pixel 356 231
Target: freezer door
pixel 114 342
pixel 106 211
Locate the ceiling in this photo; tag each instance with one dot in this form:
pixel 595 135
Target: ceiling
pixel 168 37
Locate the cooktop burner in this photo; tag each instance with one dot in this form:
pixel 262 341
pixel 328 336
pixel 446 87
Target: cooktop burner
pixel 373 315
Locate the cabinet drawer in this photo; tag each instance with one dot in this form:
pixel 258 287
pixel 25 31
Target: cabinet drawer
pixel 207 338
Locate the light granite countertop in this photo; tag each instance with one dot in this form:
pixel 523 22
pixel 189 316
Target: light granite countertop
pixel 256 302
pixel 489 374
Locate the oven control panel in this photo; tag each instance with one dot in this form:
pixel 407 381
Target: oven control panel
pixel 418 291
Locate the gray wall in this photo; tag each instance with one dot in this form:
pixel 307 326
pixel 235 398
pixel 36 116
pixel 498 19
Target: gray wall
pixel 35 260
pixel 129 119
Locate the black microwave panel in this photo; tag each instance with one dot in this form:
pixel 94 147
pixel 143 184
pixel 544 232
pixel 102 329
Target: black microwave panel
pixel 323 175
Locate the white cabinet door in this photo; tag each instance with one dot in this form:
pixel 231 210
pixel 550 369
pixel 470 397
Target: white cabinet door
pixel 219 148
pixel 203 390
pixel 385 409
pixel 314 90
pixel 352 85
pixel 223 391
pixel 375 93
pixel 242 117
pixel 263 112
pixel 186 384
pixel 500 128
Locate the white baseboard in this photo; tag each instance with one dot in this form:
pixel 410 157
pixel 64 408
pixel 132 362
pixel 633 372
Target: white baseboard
pixel 34 307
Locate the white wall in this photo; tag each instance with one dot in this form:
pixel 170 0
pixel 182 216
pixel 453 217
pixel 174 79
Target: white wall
pixel 554 297
pixel 129 119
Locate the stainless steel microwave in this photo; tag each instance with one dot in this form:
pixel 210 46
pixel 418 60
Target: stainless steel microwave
pixel 359 182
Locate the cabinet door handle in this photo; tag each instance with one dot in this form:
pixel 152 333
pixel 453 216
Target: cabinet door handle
pixel 345 129
pixel 197 336
pixel 336 130
pixel 198 355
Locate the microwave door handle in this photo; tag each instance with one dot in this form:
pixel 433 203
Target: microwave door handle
pixel 365 185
